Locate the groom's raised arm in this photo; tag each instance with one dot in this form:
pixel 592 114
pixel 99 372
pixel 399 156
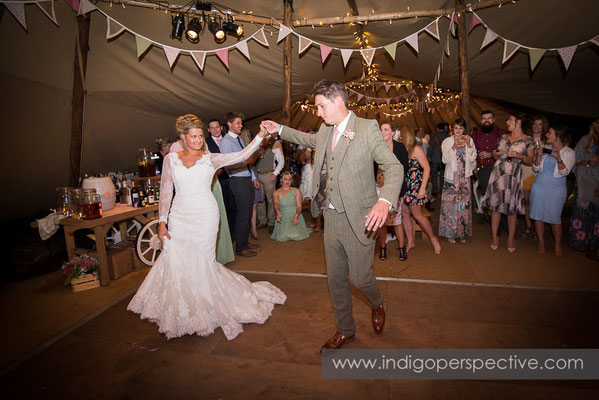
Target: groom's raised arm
pixel 291 135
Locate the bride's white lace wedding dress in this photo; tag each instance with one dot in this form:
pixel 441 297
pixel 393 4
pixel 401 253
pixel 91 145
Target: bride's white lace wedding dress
pixel 187 291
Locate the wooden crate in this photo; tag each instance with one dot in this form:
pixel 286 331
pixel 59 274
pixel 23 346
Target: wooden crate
pixel 119 262
pixel 89 281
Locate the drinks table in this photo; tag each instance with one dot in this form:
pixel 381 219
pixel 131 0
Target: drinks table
pixel 120 214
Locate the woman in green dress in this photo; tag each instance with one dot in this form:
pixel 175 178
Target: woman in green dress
pixel 290 224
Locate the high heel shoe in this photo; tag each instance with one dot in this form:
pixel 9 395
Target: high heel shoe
pixel 494 245
pixel 383 253
pixel 403 253
pixel 511 249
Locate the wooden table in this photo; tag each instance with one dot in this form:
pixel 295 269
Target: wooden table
pixel 120 214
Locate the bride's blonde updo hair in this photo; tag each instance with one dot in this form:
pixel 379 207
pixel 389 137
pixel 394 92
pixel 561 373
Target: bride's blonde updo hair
pixel 186 122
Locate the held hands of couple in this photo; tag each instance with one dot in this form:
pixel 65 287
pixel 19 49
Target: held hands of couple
pixel 270 127
pixel 377 216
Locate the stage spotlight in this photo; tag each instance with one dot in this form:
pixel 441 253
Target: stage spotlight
pixel 219 34
pixel 178 27
pixel 194 28
pixel 233 29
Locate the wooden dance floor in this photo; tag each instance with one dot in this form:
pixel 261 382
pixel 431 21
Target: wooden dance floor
pixel 118 356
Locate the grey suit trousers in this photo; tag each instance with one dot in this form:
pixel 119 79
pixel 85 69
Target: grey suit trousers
pixel 348 260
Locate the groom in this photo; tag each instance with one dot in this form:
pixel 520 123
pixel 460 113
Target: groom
pixel 347 146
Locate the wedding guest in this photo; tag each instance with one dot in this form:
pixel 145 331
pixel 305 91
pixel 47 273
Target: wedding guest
pixel 548 193
pixel 486 139
pixel 584 223
pixel 416 179
pixel 394 219
pixel 435 158
pixel 459 156
pixel 290 224
pixel 504 192
pixel 539 127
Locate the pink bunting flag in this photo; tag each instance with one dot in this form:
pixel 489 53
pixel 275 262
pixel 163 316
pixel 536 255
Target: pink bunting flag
pixel 85 7
pixel 223 54
pixel 283 32
pixel 475 21
pixel 74 4
pixel 171 55
pixel 412 40
pixel 48 8
pixel 567 53
pixel 243 48
pixel 18 11
pixel 324 52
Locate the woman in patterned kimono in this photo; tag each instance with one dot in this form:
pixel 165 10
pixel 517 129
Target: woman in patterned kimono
pixel 504 192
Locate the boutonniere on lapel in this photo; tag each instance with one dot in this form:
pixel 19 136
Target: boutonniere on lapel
pixel 349 134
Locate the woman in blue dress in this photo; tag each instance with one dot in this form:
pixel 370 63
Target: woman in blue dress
pixel 548 194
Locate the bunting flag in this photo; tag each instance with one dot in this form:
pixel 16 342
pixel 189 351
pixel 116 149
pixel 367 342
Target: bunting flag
pixel 595 40
pixel 243 48
pixel 387 87
pixel 535 56
pixel 18 11
pixel 74 4
pixel 412 40
pixel 368 55
pixel 199 57
pixel 490 36
pixel 86 6
pixel 171 54
pixel 475 21
pixel 260 37
pixel 446 48
pixel 143 45
pixel 359 97
pixel 304 43
pixel 47 8
pixel 388 100
pixel 283 32
pixel 113 28
pixel 391 48
pixel 453 23
pixel 567 53
pixel 345 55
pixel 324 52
pixel 433 29
pixel 223 54
pixel 509 49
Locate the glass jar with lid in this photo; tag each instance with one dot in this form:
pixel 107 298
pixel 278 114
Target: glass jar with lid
pixel 91 204
pixel 146 166
pixel 64 201
pixel 76 198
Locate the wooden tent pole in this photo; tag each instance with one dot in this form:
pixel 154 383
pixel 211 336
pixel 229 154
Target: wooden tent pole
pixel 463 57
pixel 288 4
pixel 78 100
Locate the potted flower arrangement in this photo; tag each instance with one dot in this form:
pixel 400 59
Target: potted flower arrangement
pixel 81 273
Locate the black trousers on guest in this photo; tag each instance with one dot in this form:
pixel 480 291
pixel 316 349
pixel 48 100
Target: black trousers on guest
pixel 242 192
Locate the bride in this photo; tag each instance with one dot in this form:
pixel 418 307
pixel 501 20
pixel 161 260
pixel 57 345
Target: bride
pixel 187 291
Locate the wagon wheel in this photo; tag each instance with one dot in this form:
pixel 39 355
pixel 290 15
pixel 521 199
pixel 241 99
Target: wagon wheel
pixel 114 234
pixel 147 244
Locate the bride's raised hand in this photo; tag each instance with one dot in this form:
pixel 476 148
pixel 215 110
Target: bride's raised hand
pixel 162 232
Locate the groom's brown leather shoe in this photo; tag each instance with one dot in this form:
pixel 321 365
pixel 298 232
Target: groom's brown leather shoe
pixel 252 246
pixel 378 319
pixel 246 253
pixel 336 341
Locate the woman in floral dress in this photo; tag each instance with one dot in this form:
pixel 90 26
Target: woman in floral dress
pixel 459 157
pixel 584 223
pixel 504 192
pixel 416 178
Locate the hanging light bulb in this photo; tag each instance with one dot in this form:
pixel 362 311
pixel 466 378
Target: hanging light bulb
pixel 219 34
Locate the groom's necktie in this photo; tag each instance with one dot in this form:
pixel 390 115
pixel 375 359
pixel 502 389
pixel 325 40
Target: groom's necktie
pixel 335 139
